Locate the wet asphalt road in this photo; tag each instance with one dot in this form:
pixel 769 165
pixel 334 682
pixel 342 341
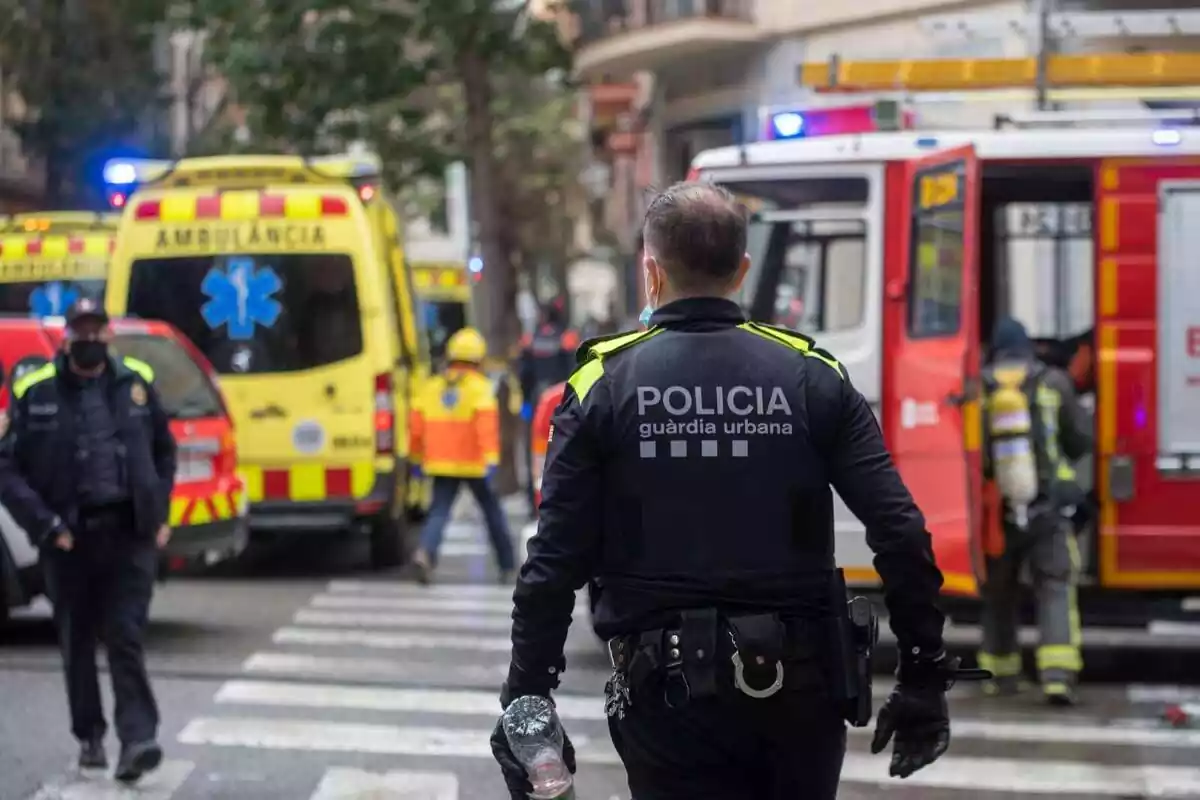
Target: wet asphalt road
pixel 307 677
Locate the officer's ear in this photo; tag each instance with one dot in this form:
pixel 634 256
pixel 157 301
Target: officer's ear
pixel 653 276
pixel 739 277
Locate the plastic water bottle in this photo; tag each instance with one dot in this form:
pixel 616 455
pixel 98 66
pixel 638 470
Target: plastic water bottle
pixel 536 737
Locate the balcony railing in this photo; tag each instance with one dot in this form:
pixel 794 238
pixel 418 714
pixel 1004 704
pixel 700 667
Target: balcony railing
pixel 600 19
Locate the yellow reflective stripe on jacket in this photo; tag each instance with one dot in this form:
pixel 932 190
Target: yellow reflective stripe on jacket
pixel 140 367
pixel 1049 402
pixel 796 341
pixel 26 382
pixel 1001 666
pixel 584 378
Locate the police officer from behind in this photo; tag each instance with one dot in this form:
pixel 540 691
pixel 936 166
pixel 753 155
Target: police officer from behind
pixel 87 468
pixel 688 481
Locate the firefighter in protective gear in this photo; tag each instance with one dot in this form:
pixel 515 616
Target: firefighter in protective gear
pixel 1034 429
pixel 456 441
pixel 688 484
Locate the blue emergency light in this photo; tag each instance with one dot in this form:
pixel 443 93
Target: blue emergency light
pixel 120 173
pixel 788 125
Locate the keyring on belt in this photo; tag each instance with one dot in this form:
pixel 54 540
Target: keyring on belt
pixel 739 675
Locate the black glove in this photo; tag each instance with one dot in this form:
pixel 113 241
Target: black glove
pixel 515 776
pixel 916 714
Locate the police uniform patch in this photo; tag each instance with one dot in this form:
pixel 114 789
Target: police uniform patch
pixel 137 393
pixel 450 398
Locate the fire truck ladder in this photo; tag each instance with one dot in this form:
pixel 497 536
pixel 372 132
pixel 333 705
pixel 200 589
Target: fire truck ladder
pixel 1159 75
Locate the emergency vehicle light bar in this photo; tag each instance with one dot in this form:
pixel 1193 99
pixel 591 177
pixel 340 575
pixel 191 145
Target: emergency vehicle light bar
pixel 242 170
pixel 1178 117
pixel 940 75
pixel 60 221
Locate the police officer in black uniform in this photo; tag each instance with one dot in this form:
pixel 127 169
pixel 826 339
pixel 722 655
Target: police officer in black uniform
pixel 688 482
pixel 87 468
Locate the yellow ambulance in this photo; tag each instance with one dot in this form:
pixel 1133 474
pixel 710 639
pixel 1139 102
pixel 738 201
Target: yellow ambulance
pixel 286 272
pixel 50 259
pixel 444 295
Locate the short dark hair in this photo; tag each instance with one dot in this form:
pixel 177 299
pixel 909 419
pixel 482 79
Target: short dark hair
pixel 697 232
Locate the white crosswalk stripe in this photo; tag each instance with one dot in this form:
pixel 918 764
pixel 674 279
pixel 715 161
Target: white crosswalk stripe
pixel 162 784
pixel 347 784
pixel 362 671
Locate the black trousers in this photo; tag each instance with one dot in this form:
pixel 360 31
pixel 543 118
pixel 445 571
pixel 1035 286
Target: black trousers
pixel 101 590
pixel 732 747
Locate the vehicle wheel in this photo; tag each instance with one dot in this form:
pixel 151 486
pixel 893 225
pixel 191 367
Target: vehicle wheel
pixel 389 541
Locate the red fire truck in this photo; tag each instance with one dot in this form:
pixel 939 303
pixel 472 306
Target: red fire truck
pixel 900 250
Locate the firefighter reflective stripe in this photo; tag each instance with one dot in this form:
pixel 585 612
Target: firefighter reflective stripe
pixel 26 382
pixel 1059 656
pixel 796 341
pixel 1049 402
pixel 594 353
pixel 216 507
pixel 1073 619
pixel 309 482
pixel 1001 666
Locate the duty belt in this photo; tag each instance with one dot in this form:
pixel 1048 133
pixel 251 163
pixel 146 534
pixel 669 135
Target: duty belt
pixel 689 655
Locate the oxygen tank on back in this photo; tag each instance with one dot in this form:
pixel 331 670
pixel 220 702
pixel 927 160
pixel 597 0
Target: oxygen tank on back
pixel 1011 439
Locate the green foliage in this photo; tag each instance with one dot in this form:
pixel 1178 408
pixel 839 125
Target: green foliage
pixel 87 75
pixel 314 76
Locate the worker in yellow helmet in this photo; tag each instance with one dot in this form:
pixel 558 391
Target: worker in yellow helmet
pixel 456 441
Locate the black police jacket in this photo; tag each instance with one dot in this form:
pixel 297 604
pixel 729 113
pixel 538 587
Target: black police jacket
pixel 39 467
pixel 690 466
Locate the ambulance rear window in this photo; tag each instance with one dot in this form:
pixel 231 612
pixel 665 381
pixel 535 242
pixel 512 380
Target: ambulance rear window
pixel 255 313
pixel 45 298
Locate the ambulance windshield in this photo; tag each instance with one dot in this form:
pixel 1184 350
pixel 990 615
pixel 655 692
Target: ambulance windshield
pixel 442 320
pixel 46 298
pixel 253 314
pixel 807 244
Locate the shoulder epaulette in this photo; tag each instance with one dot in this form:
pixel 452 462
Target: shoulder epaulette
pixel 144 370
pixel 27 382
pixel 591 354
pixel 603 345
pixel 795 340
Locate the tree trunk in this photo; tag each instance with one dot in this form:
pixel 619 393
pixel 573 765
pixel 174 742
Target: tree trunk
pixel 503 327
pixel 50 128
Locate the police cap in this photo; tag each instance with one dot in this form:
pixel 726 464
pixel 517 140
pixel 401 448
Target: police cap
pixel 84 310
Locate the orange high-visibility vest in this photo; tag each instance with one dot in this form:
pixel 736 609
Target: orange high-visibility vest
pixel 455 425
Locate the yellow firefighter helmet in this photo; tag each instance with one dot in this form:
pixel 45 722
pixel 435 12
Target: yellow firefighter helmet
pixel 466 345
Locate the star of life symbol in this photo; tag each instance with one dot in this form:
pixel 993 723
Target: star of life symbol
pixel 241 298
pixel 52 299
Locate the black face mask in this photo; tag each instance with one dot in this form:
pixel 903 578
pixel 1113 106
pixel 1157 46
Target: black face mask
pixel 88 353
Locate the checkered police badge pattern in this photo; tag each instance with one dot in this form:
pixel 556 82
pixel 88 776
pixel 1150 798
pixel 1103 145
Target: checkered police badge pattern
pixel 705 448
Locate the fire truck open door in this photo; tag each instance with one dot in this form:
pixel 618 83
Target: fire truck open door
pixel 934 384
